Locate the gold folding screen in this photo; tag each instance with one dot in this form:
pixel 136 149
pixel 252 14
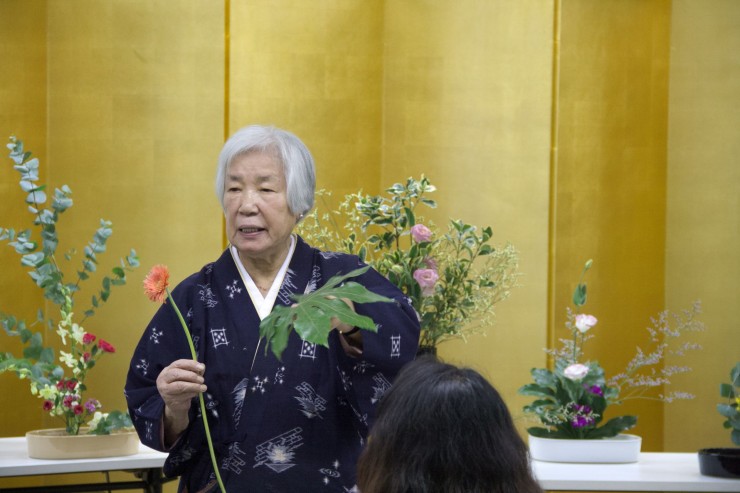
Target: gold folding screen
pixel 128 102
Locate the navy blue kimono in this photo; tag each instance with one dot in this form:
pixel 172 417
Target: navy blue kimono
pixel 278 426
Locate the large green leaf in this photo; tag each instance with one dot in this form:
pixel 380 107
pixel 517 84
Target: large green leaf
pixel 544 377
pixel 540 432
pixel 536 390
pixel 613 427
pixel 312 313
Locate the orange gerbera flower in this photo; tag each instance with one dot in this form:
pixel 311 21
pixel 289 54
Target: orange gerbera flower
pixel 156 282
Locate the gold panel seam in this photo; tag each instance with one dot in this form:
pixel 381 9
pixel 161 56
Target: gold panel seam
pixel 552 243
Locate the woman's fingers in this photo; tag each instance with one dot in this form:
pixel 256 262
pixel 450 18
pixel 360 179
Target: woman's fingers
pixel 180 382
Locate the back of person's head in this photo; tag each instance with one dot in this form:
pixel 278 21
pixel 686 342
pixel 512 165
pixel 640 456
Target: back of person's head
pixel 443 429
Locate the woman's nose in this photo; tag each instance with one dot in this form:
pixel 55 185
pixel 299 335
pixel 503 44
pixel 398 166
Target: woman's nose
pixel 248 204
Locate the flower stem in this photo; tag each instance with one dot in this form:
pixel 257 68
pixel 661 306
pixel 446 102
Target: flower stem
pixel 200 396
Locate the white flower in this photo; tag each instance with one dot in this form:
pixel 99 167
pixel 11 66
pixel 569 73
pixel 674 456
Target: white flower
pixel 48 392
pixel 585 322
pixel 575 372
pixel 67 359
pixel 77 333
pixel 96 419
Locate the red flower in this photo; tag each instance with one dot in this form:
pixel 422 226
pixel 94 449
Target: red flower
pixel 88 338
pixel 106 346
pixel 86 357
pixel 67 401
pixel 48 405
pixel 71 384
pixel 79 409
pixel 156 282
pixel 60 384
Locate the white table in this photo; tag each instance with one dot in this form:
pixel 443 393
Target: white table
pixel 653 472
pixel 147 465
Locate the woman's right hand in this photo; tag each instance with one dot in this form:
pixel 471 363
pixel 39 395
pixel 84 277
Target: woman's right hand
pixel 178 383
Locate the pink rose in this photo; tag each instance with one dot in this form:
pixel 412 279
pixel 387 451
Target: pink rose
pixel 420 233
pixel 575 372
pixel 585 322
pixel 426 278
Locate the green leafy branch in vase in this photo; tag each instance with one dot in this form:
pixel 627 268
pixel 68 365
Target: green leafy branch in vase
pixel 62 394
pixel 452 277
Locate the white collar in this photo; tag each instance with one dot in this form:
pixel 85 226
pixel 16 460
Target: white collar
pixel 263 304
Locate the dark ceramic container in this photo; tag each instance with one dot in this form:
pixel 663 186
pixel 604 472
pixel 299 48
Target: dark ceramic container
pixel 722 462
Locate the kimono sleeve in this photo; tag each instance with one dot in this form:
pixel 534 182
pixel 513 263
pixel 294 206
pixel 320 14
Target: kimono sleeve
pixel 385 352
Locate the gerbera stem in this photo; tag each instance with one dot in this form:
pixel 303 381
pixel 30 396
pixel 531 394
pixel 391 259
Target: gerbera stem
pixel 200 396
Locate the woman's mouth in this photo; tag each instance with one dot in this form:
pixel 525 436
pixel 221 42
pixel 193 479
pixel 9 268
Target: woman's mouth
pixel 248 230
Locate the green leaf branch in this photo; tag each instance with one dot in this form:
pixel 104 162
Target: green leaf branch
pixel 38 363
pixel 311 315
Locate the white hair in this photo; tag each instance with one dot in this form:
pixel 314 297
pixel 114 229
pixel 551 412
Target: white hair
pixel 297 162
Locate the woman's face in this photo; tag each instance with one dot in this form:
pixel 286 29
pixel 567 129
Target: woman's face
pixel 258 220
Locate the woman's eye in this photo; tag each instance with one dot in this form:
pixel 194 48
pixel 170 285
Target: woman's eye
pixel 267 190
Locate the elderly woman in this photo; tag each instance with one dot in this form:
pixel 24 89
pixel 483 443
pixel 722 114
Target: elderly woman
pixel 293 425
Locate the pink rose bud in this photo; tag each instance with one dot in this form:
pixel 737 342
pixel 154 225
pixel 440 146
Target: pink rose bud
pixel 426 278
pixel 420 233
pixel 106 346
pixel 585 322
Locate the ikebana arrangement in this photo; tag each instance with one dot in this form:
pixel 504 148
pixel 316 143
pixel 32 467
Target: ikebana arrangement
pixel 730 409
pixel 453 278
pixel 60 381
pixel 572 398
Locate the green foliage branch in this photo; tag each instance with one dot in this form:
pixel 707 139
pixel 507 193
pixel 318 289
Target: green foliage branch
pixel 38 362
pixel 473 275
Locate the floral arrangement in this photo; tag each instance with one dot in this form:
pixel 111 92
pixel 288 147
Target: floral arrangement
pixel 453 279
pixel 731 409
pixel 571 399
pixel 62 393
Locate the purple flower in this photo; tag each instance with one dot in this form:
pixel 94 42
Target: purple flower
pixel 426 278
pixel 581 421
pixel 582 415
pixel 91 405
pixel 420 233
pixel 595 389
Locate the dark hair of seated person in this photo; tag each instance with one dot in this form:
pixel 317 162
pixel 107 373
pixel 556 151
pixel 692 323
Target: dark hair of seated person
pixel 443 429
